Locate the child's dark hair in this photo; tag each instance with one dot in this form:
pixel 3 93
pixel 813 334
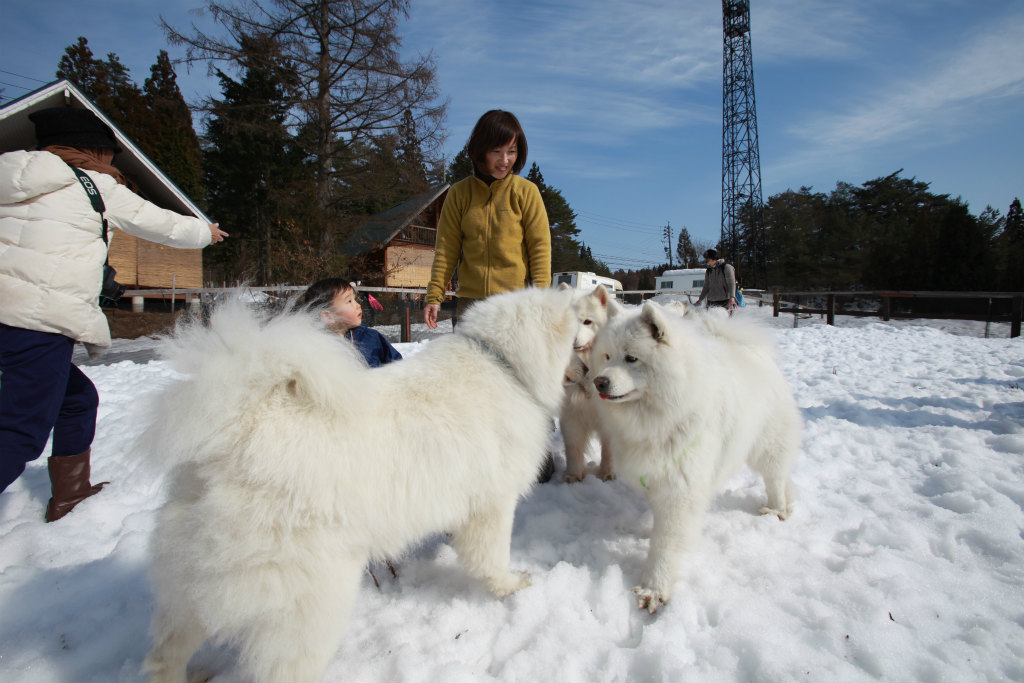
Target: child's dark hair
pixel 494 129
pixel 322 292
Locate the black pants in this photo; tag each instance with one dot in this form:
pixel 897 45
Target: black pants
pixel 41 391
pixel 461 304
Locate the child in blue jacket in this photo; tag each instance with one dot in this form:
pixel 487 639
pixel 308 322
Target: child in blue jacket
pixel 339 308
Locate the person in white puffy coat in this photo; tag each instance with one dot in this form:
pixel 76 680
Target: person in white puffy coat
pixel 51 269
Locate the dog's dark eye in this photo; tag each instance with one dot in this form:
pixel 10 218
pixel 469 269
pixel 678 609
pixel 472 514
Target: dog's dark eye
pixel 607 357
pixel 588 322
pixel 630 359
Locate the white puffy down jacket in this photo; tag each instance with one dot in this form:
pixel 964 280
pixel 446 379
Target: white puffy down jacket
pixel 51 244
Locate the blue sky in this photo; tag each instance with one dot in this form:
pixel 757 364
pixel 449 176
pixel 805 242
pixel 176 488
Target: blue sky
pixel 621 101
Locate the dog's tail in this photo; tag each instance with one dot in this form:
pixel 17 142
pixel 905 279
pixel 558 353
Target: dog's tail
pixel 745 332
pixel 237 368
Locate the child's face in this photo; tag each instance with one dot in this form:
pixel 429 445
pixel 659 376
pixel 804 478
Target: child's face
pixel 500 160
pixel 345 312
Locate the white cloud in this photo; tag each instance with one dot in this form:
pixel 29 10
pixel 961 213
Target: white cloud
pixel 947 94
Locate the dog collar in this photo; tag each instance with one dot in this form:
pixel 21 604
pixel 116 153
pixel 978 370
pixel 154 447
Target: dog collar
pixel 485 346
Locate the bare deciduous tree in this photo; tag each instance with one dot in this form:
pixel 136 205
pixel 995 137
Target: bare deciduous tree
pixel 350 82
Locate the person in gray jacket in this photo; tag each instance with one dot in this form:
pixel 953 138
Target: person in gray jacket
pixel 52 252
pixel 719 288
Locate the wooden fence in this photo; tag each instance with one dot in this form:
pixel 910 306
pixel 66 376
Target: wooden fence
pixel 988 307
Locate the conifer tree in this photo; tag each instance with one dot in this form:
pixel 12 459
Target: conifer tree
pixel 156 118
pixel 565 248
pixel 108 84
pixel 170 140
pixel 461 166
pixel 410 156
pixel 1011 247
pixel 255 175
pixel 685 251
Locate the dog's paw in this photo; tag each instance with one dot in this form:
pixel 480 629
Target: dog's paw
pixel 570 478
pixel 509 584
pixel 607 476
pixel 649 599
pixel 781 514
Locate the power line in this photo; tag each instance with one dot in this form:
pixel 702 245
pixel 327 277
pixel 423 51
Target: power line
pixel 617 223
pixel 619 220
pixel 28 78
pixel 15 85
pixel 626 262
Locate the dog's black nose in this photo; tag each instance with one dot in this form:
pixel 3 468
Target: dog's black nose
pixel 602 384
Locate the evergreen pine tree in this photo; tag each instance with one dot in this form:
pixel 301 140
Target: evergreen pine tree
pixel 686 253
pixel 256 178
pixel 461 166
pixel 108 84
pixel 413 168
pixel 171 141
pixel 565 247
pixel 1011 246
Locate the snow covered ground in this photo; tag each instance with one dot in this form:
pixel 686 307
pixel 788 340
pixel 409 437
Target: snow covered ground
pixel 904 559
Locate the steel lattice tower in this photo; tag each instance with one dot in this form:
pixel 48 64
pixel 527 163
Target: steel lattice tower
pixel 742 235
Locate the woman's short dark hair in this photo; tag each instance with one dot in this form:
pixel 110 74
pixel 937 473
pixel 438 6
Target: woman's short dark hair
pixel 494 129
pixel 322 292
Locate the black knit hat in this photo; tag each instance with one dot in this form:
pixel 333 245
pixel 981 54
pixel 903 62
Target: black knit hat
pixel 73 128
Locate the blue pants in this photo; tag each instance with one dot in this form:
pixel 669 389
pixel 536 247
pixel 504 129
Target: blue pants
pixel 41 391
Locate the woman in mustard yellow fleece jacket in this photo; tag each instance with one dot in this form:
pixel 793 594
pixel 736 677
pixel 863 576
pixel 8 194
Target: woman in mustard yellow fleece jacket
pixel 493 224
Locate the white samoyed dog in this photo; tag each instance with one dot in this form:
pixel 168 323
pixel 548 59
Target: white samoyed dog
pixel 689 400
pixel 579 419
pixel 295 465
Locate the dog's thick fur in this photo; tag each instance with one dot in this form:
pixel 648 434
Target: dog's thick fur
pixel 296 465
pixel 579 419
pixel 689 400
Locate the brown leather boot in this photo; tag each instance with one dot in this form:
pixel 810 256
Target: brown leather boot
pixel 69 482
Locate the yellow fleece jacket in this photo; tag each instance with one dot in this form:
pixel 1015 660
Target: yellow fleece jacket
pixel 497 235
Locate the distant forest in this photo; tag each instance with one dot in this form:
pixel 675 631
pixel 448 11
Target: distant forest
pixel 889 233
pixel 295 152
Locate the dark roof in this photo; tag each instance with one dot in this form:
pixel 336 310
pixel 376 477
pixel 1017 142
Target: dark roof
pixel 381 228
pixel 17 132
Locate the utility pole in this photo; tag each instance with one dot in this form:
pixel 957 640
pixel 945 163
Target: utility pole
pixel 742 236
pixel 667 232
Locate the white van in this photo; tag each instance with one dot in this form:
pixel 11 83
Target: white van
pixel 683 281
pixel 579 280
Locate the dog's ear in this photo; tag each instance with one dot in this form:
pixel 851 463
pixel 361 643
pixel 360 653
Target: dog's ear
pixel 614 307
pixel 652 316
pixel 601 294
pixel 565 293
pixel 565 296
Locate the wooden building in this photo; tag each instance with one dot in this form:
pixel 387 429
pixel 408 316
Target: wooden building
pixel 395 248
pixel 140 264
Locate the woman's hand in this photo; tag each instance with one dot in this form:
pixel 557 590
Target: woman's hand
pixel 216 234
pixel 430 315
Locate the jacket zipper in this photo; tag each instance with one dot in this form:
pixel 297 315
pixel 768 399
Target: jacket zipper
pixel 490 228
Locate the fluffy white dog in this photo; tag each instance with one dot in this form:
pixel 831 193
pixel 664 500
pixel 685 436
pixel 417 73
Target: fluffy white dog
pixel 296 465
pixel 689 400
pixel 579 419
